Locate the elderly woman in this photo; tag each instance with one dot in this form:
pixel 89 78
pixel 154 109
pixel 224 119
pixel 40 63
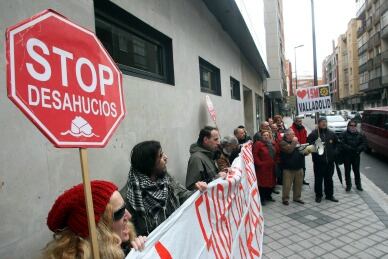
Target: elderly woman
pixel 68 220
pixel 265 155
pixel 229 145
pixel 278 120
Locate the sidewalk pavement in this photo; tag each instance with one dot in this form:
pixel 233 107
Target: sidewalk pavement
pixel 355 227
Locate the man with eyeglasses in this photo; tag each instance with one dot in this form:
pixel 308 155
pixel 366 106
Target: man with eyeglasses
pixel 353 144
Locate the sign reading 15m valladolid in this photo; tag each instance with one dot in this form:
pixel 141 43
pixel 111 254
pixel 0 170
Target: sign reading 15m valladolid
pixel 313 99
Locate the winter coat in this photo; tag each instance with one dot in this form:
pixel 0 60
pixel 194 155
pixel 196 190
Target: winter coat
pixel 290 157
pixel 201 166
pixel 352 143
pixel 265 164
pixel 145 223
pixel 330 140
pixel 300 133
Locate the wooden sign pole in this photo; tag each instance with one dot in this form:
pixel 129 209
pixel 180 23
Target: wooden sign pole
pixel 89 202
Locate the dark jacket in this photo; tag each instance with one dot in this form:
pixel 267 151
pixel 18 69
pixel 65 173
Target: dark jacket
pixel 290 157
pixel 201 166
pixel 330 140
pixel 353 143
pixel 146 223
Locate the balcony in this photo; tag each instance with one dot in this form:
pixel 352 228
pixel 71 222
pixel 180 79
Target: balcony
pixel 364 86
pixel 384 32
pixel 369 64
pixel 368 4
pixel 375 83
pixel 376 16
pixel 384 80
pixel 362 68
pixel 384 56
pixel 369 24
pixel 376 39
pixel 362 49
pixel 377 61
pixel 360 31
pixel 384 7
pixel 361 11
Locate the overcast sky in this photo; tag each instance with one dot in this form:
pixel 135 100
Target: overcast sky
pixel 331 20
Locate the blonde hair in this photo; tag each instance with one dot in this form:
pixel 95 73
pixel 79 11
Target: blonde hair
pixel 68 245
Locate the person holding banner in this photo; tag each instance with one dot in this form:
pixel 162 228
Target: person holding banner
pixel 229 144
pixel 202 165
pixel 324 164
pixel 68 220
pixel 265 155
pixel 152 195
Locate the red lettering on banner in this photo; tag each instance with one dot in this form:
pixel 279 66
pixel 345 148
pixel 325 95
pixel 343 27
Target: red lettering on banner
pixel 220 213
pixel 162 251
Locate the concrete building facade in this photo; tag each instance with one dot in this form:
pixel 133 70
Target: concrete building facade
pixel 276 86
pixel 208 47
pixel 329 75
pixel 373 51
pixel 348 75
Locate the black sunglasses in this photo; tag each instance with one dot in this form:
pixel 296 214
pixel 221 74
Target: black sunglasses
pixel 119 214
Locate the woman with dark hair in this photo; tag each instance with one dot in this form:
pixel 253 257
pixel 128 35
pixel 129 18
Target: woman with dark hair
pixel 353 144
pixel 68 220
pixel 266 155
pixel 152 194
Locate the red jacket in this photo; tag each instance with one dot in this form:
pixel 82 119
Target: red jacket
pixel 264 164
pixel 301 134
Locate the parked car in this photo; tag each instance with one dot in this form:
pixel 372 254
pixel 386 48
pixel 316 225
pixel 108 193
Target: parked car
pixel 352 114
pixel 336 123
pixel 308 114
pixel 374 125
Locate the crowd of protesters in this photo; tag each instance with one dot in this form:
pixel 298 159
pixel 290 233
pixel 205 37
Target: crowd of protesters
pixel 124 218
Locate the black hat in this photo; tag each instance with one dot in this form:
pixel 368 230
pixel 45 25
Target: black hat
pixel 322 119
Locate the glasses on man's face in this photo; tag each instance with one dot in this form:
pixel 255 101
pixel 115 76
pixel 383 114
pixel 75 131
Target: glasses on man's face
pixel 352 125
pixel 119 214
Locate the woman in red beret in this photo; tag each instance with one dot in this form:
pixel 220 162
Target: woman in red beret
pixel 68 220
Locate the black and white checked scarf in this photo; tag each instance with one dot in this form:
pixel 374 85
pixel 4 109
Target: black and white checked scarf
pixel 145 195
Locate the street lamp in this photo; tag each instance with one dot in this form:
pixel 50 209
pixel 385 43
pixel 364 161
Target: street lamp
pixel 296 74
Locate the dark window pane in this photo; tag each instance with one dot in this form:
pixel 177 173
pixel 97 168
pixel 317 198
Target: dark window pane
pixel 139 49
pixel 209 77
pixel 235 88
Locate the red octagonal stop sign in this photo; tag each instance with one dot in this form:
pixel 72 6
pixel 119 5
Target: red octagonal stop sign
pixel 65 82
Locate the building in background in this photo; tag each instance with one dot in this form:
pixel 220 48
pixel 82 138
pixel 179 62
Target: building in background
pixel 290 86
pixel 276 85
pixel 373 51
pixel 329 75
pixel 172 54
pixel 306 81
pixel 348 68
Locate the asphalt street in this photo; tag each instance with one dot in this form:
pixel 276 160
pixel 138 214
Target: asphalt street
pixel 374 166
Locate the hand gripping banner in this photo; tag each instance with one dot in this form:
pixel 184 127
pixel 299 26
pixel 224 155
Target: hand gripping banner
pixel 226 221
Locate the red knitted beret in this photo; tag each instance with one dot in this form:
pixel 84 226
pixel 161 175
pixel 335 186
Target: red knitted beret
pixel 69 210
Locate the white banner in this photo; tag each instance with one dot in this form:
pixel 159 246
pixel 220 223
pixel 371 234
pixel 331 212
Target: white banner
pixel 313 99
pixel 226 221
